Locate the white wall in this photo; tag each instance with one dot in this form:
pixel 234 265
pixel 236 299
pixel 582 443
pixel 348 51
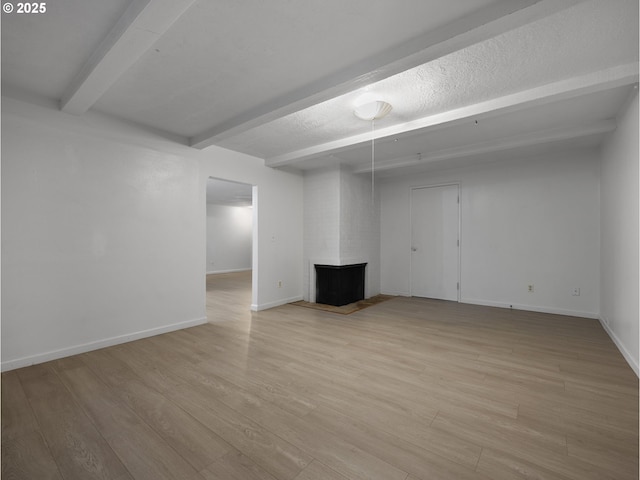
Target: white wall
pixel 321 223
pixel 277 223
pixel 229 238
pixel 523 221
pixel 360 227
pixel 341 225
pixel 104 232
pixel 619 234
pixel 322 213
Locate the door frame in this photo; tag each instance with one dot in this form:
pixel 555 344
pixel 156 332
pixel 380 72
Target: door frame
pixel 254 235
pixel 459 272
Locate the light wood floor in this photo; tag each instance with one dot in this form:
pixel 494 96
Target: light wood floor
pixel 408 389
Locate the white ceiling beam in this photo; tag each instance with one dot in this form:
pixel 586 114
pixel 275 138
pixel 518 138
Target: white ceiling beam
pixel 135 32
pixel 480 148
pixel 487 23
pixel 565 89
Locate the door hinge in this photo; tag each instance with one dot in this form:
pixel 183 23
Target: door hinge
pixel 458 285
pixel 458 242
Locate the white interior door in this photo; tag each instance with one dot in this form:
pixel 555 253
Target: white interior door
pixel 435 242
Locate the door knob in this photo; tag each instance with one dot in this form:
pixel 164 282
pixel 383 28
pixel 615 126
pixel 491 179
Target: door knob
pixel 414 249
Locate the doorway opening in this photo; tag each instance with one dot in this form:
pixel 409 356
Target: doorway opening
pixel 230 239
pixel 435 242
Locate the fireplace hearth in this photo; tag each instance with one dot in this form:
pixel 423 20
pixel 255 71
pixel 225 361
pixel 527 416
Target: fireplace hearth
pixel 339 285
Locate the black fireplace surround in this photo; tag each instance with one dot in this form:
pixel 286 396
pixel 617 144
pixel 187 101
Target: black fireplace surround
pixel 339 284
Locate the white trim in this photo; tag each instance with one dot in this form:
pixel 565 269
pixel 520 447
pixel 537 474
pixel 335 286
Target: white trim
pixel 87 347
pixel 625 353
pixel 233 270
pixel 276 303
pixel 255 244
pixel 531 308
pixel 396 294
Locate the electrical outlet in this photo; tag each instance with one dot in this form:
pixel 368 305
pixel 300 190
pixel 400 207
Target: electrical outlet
pixel 530 289
pixel 575 292
pixel 279 284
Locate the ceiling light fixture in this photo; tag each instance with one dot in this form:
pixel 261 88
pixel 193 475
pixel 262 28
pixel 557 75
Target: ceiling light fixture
pixel 371 109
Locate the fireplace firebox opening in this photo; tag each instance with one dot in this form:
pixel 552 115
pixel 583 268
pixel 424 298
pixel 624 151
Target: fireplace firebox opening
pixel 339 285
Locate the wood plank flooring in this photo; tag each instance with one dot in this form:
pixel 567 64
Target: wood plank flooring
pixel 410 389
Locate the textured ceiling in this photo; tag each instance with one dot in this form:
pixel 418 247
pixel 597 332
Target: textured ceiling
pixel 278 79
pixel 565 45
pixel 41 53
pixel 537 124
pixel 261 49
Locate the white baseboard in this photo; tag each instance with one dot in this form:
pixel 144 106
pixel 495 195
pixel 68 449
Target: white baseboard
pixel 87 347
pixel 395 294
pixel 531 308
pixel 276 303
pixel 625 353
pixel 235 270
